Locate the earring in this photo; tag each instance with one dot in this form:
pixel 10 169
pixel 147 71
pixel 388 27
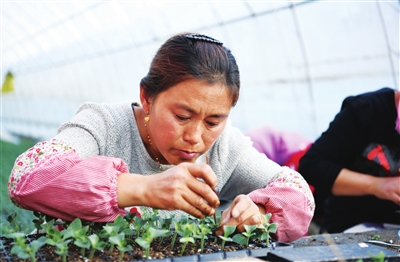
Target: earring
pixel 146 118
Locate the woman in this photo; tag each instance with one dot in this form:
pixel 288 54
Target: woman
pixel 355 164
pixel 172 153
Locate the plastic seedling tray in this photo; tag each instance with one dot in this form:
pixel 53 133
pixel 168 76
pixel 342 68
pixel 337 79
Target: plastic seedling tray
pixel 343 252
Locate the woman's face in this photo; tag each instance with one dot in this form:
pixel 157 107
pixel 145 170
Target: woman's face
pixel 186 119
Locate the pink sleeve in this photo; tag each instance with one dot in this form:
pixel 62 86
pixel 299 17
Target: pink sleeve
pixel 290 201
pixel 51 178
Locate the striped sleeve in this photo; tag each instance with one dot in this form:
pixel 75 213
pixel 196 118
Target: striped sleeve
pixel 51 178
pixel 290 201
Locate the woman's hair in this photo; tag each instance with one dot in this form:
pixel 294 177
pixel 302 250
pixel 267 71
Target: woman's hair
pixel 191 56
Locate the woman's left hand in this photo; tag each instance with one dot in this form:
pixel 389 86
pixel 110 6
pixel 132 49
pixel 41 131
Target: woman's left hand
pixel 243 211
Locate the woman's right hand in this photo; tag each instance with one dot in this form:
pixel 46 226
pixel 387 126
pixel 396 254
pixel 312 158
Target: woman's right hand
pixel 351 183
pixel 388 188
pixel 187 187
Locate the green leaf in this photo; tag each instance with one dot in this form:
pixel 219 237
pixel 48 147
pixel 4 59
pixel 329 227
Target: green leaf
pixel 225 238
pixel 143 243
pixel 20 252
pixel 38 243
pixel 240 239
pixel 158 232
pixel 228 230
pixel 125 248
pixel 75 225
pixel 273 227
pixel 16 235
pixel 83 243
pixel 186 240
pixel 250 228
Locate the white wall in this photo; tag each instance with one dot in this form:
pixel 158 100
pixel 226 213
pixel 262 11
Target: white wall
pixel 297 64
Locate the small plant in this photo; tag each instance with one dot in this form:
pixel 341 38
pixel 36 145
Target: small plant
pixel 148 236
pixel 39 221
pixel 24 250
pixel 376 237
pixel 186 231
pixel 58 239
pixel 267 228
pixel 96 244
pixel 202 230
pixel 107 232
pixel 12 226
pixel 120 225
pixel 121 243
pixel 228 230
pixel 244 237
pixel 79 233
pixel 137 224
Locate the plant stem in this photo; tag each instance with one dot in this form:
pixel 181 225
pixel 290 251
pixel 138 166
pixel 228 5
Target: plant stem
pixel 183 248
pixel 173 239
pixel 91 254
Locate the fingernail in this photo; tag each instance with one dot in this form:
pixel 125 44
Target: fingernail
pixel 235 214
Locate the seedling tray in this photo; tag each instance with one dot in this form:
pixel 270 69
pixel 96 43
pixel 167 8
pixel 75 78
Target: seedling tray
pixel 343 252
pixel 258 251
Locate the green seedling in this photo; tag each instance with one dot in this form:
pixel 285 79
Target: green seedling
pixel 12 227
pixel 39 220
pixel 121 243
pixel 148 236
pixel 186 231
pixel 24 250
pixel 202 230
pixel 177 224
pixel 138 223
pixel 58 239
pixel 79 233
pixel 96 244
pixel 267 228
pixel 380 257
pixel 62 249
pixel 228 230
pixel 244 237
pixel 120 225
pixel 376 237
pixel 109 231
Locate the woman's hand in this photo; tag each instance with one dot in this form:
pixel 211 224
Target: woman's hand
pixel 187 187
pixel 243 211
pixel 388 188
pixel 351 183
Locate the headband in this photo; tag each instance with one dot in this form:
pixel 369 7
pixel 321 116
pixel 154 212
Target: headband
pixel 203 38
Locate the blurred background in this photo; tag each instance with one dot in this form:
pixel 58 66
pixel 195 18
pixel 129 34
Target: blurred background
pixel 298 59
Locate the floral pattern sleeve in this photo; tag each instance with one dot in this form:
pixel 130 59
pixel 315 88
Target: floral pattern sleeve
pixel 290 201
pixel 51 178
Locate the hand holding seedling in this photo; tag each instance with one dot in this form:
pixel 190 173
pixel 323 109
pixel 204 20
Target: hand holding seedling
pixel 243 211
pixel 187 187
